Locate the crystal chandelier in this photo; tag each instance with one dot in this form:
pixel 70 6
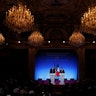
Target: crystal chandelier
pixel 2 39
pixel 19 19
pixel 88 21
pixel 36 39
pixel 76 39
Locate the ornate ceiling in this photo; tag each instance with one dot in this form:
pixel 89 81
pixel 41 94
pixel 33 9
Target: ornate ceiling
pixel 54 18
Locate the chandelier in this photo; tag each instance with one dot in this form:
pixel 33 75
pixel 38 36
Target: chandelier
pixel 19 19
pixel 2 39
pixel 76 39
pixel 36 39
pixel 88 21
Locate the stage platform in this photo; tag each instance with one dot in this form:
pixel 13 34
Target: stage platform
pixel 57 82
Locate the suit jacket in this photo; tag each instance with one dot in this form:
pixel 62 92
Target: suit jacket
pixel 52 70
pixel 62 71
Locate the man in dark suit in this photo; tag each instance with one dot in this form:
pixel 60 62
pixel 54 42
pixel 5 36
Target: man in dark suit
pixel 62 71
pixel 52 70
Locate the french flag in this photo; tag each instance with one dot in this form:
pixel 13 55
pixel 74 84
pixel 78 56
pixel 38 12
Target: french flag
pixel 57 70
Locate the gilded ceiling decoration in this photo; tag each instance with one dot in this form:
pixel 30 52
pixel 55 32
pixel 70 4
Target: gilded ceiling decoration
pixel 50 16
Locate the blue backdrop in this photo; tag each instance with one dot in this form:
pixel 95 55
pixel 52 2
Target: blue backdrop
pixel 66 59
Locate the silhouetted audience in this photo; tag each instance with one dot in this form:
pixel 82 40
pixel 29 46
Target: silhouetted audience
pixel 13 87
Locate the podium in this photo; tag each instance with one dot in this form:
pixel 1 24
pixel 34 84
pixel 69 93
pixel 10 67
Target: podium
pixel 52 78
pixel 62 79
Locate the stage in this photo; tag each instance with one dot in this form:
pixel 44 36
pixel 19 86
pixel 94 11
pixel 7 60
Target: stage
pixel 57 82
